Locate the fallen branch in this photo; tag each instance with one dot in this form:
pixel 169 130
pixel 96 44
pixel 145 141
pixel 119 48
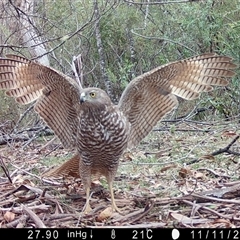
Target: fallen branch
pixel 22 220
pixel 63 215
pixel 214 172
pixel 211 211
pixel 42 207
pixel 214 195
pixel 198 196
pixel 182 130
pixel 227 148
pixel 220 151
pixel 224 192
pixel 13 138
pixel 147 209
pixel 34 217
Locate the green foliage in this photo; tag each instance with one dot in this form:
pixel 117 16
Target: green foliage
pixel 9 109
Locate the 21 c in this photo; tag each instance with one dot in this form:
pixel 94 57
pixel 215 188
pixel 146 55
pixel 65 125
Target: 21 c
pixel 143 234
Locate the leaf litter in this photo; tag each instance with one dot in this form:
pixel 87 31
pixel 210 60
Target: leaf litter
pixel 171 179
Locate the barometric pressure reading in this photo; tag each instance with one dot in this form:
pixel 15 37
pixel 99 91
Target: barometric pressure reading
pixel 42 234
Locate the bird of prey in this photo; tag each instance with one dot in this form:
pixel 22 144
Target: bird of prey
pixel 86 118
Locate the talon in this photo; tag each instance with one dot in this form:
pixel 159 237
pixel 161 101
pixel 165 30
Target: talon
pixel 116 209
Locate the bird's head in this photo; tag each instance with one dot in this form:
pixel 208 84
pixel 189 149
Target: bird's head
pixel 92 97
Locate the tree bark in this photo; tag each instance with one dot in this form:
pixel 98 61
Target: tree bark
pixel 29 34
pixel 106 80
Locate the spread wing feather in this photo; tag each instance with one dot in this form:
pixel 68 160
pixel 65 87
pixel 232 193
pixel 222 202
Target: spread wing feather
pixel 55 93
pixel 150 96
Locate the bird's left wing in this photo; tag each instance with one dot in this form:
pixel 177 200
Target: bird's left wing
pixel 150 96
pixel 55 93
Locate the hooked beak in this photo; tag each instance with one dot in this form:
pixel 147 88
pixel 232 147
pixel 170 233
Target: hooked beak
pixel 82 97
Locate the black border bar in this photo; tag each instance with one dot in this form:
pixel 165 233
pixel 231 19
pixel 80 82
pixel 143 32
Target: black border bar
pixel 119 233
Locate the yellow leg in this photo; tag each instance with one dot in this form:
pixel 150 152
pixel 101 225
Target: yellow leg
pixel 114 206
pixel 87 208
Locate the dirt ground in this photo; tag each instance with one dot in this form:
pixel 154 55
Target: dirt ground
pixel 181 175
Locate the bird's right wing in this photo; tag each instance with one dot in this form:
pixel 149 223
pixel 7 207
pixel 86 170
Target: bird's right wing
pixel 56 93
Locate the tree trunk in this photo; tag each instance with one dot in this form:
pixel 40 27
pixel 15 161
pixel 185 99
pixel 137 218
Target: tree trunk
pixel 106 80
pixel 28 31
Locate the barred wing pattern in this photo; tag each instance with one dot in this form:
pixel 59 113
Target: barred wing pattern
pixel 55 93
pixel 150 96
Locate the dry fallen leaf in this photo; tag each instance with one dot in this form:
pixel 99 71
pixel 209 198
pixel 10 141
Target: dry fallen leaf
pixel 128 156
pixel 229 133
pixel 179 217
pixel 208 156
pixel 105 214
pixel 198 175
pixel 184 172
pixel 163 153
pixel 9 216
pixel 168 167
pixel 18 179
pixel 186 220
pixel 226 222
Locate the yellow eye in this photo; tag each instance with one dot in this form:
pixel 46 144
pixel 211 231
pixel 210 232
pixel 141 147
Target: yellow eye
pixel 92 94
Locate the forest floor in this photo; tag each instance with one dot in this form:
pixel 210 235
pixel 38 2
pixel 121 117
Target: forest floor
pixel 183 174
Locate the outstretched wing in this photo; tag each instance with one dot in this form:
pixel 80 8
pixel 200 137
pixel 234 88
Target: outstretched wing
pixel 55 93
pixel 150 96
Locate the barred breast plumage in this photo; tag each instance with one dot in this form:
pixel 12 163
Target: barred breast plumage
pixel 102 136
pixel 105 133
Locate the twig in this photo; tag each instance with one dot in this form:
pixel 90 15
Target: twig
pixel 34 217
pixel 22 117
pixel 159 2
pixel 42 207
pixel 147 209
pixel 232 201
pixel 28 173
pixel 214 172
pixel 4 168
pixel 211 211
pixel 129 215
pixel 45 145
pixel 14 223
pixel 62 215
pixel 227 148
pixel 35 135
pixel 183 130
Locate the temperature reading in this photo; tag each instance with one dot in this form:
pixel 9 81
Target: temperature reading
pixel 142 234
